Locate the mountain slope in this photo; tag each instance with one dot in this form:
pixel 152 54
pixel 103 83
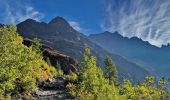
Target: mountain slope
pixel 61 36
pixel 135 50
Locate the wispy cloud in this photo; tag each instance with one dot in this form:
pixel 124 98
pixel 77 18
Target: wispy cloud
pixel 75 25
pixel 146 19
pixel 16 12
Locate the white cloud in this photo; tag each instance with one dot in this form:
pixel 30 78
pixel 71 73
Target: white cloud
pixel 146 19
pixel 79 27
pixel 75 25
pixel 19 12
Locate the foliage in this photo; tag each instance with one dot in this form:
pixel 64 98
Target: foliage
pixel 162 83
pixel 144 91
pixel 72 77
pixel 110 71
pixel 71 87
pixel 92 84
pixel 37 45
pixel 58 68
pixel 59 71
pixel 20 66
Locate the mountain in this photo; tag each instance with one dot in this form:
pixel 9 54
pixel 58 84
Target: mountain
pixel 1 25
pixel 150 57
pixel 61 36
pixel 68 64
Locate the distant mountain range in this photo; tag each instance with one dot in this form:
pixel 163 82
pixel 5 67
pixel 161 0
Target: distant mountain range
pixel 152 58
pixel 61 36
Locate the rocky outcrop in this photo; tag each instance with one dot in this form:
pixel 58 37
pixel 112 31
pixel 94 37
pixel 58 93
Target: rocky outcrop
pixel 67 63
pixel 54 89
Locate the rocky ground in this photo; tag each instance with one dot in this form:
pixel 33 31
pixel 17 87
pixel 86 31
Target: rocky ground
pixel 54 89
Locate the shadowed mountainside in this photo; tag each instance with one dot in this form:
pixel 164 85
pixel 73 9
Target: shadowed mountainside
pixel 62 37
pixel 135 50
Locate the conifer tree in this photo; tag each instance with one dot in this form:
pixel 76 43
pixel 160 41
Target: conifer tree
pixel 37 45
pixel 93 85
pixel 58 67
pixel 110 71
pixel 48 61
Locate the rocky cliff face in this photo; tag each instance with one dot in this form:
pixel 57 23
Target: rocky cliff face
pixel 67 63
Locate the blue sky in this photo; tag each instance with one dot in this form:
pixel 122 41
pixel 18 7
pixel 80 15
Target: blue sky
pixel 88 13
pixel 145 19
pixel 85 15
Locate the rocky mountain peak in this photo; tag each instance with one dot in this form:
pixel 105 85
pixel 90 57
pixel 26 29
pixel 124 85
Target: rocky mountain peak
pixel 30 21
pixel 59 21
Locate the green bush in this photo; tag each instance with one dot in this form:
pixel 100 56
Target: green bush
pixel 72 77
pixel 92 84
pixel 20 66
pixel 145 91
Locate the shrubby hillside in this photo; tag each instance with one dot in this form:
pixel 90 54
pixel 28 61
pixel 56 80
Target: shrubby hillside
pixel 23 68
pixel 93 84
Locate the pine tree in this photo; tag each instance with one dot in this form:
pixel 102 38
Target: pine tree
pixel 110 71
pixel 162 83
pixel 37 46
pixel 58 68
pixel 48 61
pixel 93 85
